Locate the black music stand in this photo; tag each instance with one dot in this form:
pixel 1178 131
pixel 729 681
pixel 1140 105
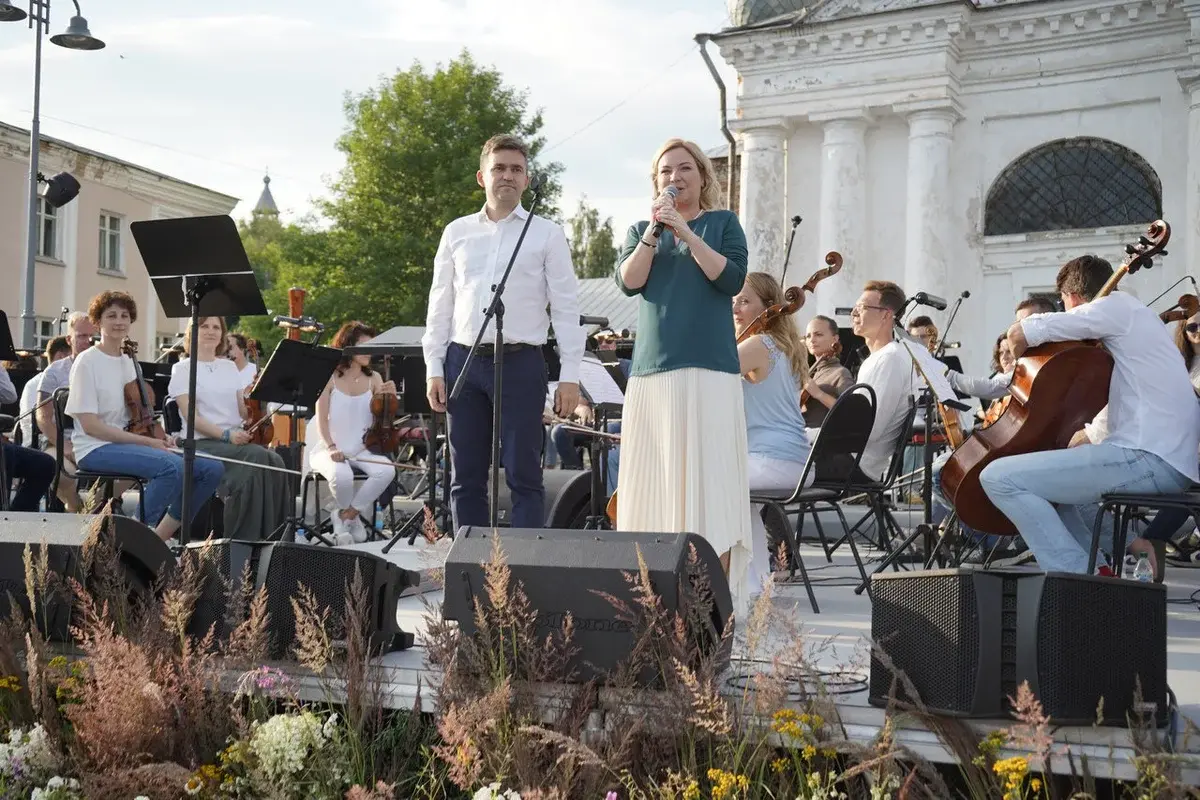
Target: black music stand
pixel 8 352
pixel 295 375
pixel 199 269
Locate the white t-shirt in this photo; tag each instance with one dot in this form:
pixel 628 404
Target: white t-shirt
pixel 890 372
pixel 1151 403
pixel 98 387
pixel 28 401
pixel 218 385
pixel 247 373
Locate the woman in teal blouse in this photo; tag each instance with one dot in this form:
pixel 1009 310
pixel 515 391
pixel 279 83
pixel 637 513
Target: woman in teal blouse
pixel 683 443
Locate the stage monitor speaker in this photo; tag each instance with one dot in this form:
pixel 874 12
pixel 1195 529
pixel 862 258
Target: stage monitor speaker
pixel 566 571
pixel 222 564
pixel 143 558
pixel 329 572
pixel 568 498
pixel 968 638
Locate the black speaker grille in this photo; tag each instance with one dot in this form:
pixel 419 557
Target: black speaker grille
pixel 1095 638
pixel 1008 635
pixel 927 624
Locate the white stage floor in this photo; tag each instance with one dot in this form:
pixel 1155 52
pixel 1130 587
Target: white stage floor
pixel 837 638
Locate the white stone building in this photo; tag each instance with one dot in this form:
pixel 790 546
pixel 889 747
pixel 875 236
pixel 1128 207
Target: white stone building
pixel 972 145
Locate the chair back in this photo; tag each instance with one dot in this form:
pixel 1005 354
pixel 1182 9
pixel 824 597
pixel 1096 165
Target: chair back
pixel 842 438
pixel 172 419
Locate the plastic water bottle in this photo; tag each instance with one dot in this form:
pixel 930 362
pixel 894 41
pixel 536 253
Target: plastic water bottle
pixel 1142 571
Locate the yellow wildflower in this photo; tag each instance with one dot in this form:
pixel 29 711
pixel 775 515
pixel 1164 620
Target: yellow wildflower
pixel 817 721
pixel 692 792
pixel 10 682
pixel 808 753
pixel 1036 785
pixel 1013 771
pixel 779 765
pixel 829 752
pixel 58 662
pixel 726 784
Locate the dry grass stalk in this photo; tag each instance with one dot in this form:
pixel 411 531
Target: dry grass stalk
pixel 313 645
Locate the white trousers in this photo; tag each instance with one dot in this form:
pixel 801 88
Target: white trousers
pixel 767 475
pixel 341 479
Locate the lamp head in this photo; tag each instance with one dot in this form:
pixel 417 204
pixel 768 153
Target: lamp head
pixel 77 36
pixel 10 13
pixel 60 190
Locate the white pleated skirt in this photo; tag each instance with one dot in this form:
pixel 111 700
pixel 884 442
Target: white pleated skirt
pixel 683 465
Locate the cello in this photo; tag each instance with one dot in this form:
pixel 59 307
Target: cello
pixel 1056 388
pixel 793 301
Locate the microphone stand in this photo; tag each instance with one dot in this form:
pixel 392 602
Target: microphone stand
pixel 941 349
pixel 496 311
pixel 787 256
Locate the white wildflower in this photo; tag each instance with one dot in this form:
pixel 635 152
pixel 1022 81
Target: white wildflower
pixel 283 742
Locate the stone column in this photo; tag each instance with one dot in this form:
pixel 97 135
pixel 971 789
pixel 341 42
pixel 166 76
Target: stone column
pixel 928 249
pixel 1190 80
pixel 843 206
pixel 764 193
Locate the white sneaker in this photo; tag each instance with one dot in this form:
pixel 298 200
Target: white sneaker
pixel 358 531
pixel 343 539
pixel 341 527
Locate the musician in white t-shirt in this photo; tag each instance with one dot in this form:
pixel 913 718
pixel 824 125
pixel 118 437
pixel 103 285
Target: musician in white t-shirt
pixel 97 403
pixel 237 349
pixel 256 498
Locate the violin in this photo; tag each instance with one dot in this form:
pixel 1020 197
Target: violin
pixel 384 434
pixel 1187 307
pixel 258 424
pixel 139 399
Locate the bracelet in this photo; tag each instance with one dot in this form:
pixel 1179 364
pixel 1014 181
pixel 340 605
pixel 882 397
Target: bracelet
pixel 651 245
pixel 225 435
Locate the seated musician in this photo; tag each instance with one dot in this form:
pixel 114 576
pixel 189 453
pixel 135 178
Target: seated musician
pixel 257 500
pixel 56 350
pixel 889 370
pixel 34 469
pixel 772 364
pixel 80 331
pixel 567 442
pixel 827 377
pixel 1052 496
pixel 237 350
pixel 99 377
pixel 923 329
pixel 335 436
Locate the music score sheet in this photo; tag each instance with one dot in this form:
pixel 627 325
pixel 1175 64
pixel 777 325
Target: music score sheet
pixel 935 372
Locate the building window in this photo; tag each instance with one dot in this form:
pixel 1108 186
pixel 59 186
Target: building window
pixel 44 329
pixel 47 229
pixel 1072 184
pixel 110 243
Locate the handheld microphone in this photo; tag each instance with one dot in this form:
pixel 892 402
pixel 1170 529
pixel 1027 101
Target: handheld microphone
pixel 933 301
pixel 672 193
pixel 303 324
pixel 586 320
pixel 535 181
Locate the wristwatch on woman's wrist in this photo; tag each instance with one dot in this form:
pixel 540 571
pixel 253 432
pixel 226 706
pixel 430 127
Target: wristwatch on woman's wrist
pixel 225 435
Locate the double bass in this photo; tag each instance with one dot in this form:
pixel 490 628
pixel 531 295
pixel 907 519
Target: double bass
pixel 258 422
pixel 793 301
pixel 1056 388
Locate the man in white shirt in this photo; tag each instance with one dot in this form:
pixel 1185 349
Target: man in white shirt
pixel 80 331
pixel 34 469
pixel 1154 422
pixel 470 261
pixel 888 370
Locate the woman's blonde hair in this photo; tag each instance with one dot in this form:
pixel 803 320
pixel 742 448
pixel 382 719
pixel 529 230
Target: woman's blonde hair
pixel 187 336
pixel 783 328
pixel 710 187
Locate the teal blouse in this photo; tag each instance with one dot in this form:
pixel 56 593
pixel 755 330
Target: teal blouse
pixel 684 319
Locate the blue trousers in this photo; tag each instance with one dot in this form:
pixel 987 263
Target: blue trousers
pixel 521 435
pixel 36 471
pixel 164 475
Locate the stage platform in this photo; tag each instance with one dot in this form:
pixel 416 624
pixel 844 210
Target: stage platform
pixel 836 639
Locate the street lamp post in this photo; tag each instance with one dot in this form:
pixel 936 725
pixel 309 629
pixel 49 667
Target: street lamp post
pixel 76 37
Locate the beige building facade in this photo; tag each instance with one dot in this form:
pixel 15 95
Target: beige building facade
pixel 86 247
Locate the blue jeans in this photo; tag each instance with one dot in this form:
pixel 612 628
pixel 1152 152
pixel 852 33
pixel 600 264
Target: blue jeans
pixel 34 468
pixel 613 458
pixel 566 445
pixel 470 415
pixel 942 506
pixel 164 475
pixel 1053 497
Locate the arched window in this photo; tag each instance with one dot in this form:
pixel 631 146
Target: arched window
pixel 1071 184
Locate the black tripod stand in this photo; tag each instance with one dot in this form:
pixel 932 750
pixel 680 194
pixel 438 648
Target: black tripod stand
pixel 496 311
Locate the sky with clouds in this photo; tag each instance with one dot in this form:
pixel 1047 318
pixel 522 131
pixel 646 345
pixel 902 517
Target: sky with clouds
pixel 215 92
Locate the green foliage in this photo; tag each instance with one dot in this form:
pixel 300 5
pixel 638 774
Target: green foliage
pixel 593 246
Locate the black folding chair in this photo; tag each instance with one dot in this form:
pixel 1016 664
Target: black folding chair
pixel 1125 507
pixel 107 480
pixel 836 452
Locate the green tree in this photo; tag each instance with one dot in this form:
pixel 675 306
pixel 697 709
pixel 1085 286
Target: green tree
pixel 593 247
pixel 412 151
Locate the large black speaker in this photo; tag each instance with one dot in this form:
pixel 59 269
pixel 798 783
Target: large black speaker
pixel 565 571
pixel 568 498
pixel 968 638
pixel 143 558
pixel 283 568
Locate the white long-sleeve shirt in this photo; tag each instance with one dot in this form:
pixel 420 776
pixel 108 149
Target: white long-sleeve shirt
pixel 1151 404
pixel 991 388
pixel 471 259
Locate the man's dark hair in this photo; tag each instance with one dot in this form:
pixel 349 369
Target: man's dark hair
pixel 59 344
pixel 891 296
pixel 920 322
pixel 1084 276
pixel 1037 305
